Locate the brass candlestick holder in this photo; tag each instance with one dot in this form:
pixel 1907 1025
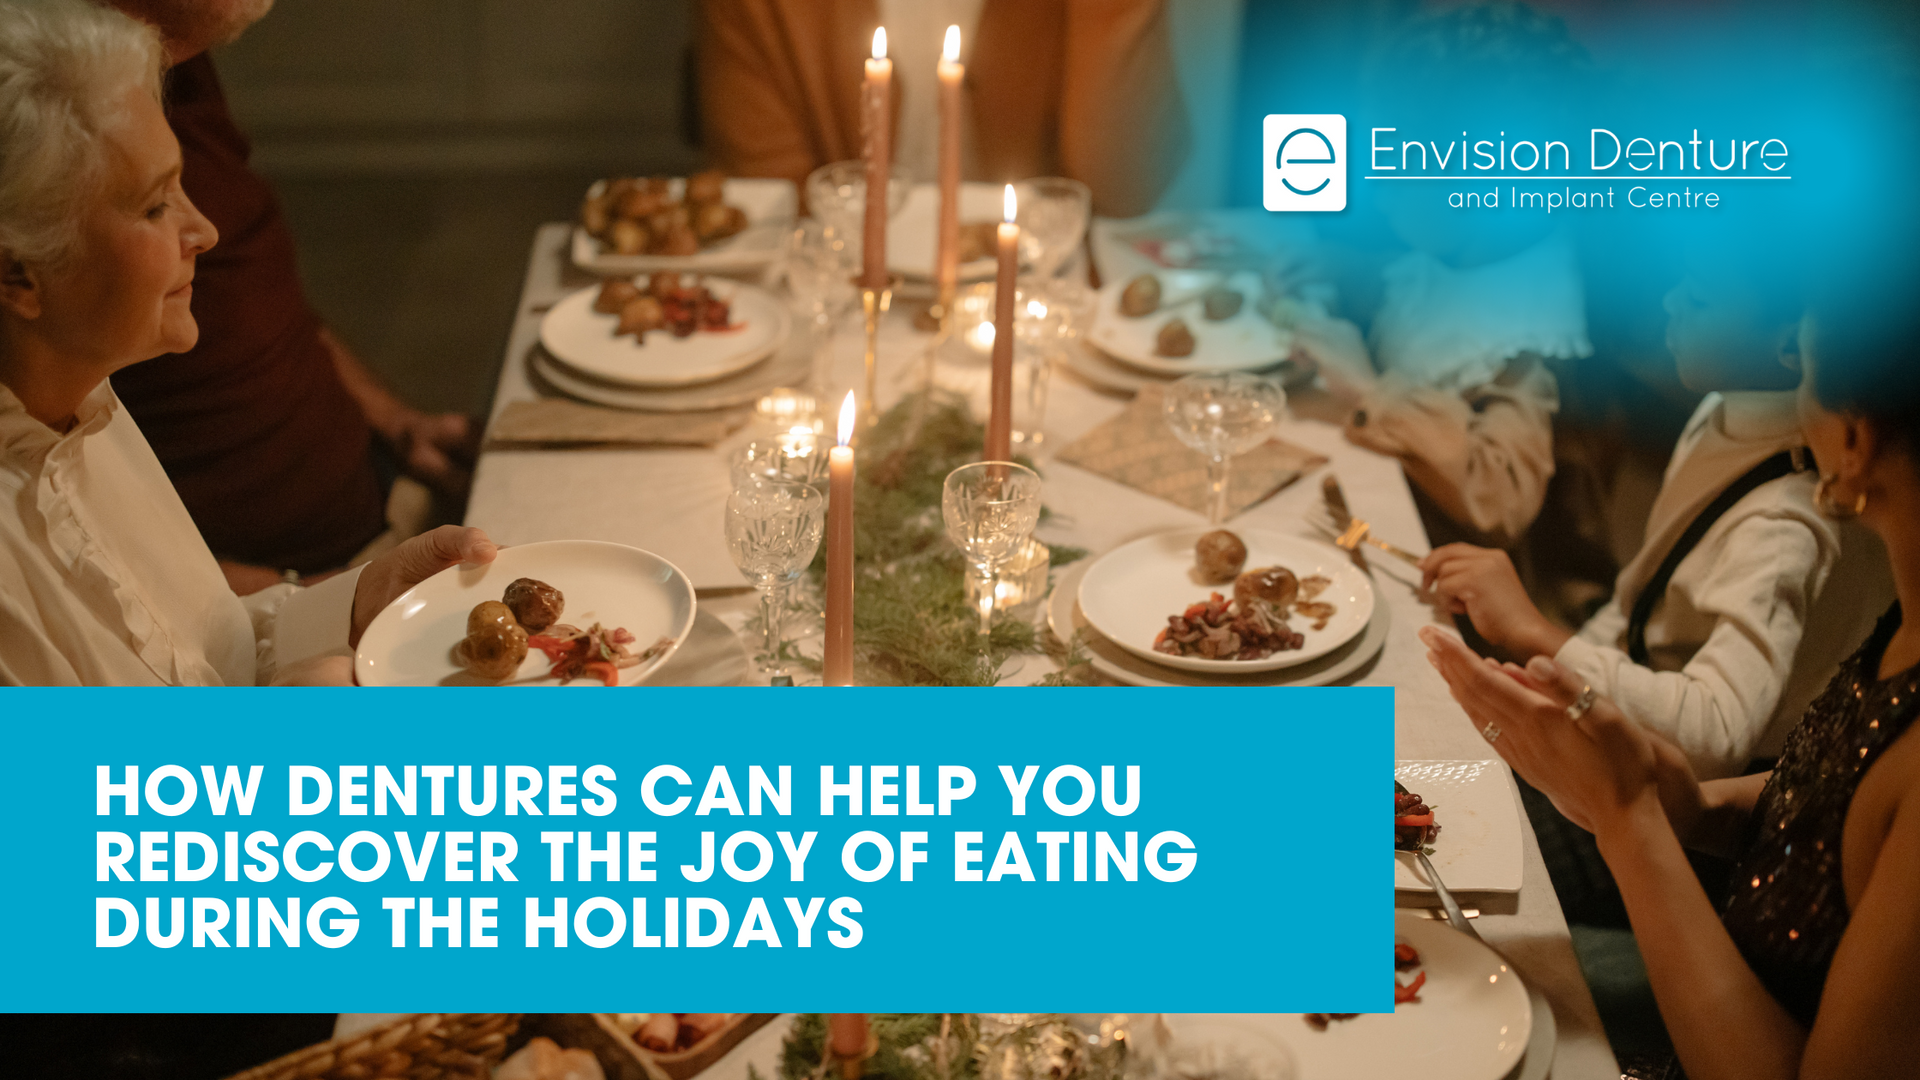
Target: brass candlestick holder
pixel 874 303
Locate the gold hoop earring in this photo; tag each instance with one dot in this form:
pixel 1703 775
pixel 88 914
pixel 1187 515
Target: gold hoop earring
pixel 1824 501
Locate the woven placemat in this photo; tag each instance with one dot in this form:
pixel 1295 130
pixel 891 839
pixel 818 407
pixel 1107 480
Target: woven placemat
pixel 559 423
pixel 1138 449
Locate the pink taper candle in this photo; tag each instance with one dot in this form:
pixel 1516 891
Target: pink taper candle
pixel 952 74
pixel 874 119
pixel 837 666
pixel 847 1039
pixel 1000 417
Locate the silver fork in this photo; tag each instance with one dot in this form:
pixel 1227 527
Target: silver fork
pixel 1455 917
pixel 1355 532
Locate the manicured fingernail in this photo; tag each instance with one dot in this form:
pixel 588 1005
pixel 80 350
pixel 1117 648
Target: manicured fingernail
pixel 1542 667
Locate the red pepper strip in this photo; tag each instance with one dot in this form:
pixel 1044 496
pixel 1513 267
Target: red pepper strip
pixel 609 674
pixel 1404 994
pixel 552 646
pixel 1405 954
pixel 1413 821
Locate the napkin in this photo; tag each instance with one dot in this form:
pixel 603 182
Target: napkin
pixel 559 423
pixel 1138 449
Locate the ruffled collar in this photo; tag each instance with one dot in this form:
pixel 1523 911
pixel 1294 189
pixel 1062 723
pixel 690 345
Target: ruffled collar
pixel 26 439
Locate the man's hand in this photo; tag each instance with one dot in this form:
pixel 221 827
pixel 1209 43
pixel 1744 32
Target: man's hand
pixel 411 563
pixel 1334 348
pixel 437 450
pixel 1481 584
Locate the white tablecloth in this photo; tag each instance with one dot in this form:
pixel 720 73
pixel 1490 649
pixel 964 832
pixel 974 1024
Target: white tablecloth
pixel 670 501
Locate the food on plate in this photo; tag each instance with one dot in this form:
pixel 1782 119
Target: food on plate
pixel 1414 827
pixel 978 240
pixel 594 651
pixel 1219 555
pixel 640 216
pixel 543 1059
pixel 1309 608
pixel 616 293
pixel 1141 296
pixel 1405 958
pixel 488 612
pixel 536 604
pixel 1219 629
pixel 1274 585
pixel 665 1033
pixel 640 315
pixel 492 649
pixel 1221 302
pixel 670 302
pixel 1174 339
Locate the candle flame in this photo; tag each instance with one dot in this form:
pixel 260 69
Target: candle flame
pixel 951 52
pixel 1009 206
pixel 879 43
pixel 846 420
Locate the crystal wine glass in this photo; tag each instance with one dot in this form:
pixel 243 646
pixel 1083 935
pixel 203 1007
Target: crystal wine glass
pixel 1054 211
pixel 773 530
pixel 837 195
pixel 1222 415
pixel 990 508
pixel 795 456
pixel 820 266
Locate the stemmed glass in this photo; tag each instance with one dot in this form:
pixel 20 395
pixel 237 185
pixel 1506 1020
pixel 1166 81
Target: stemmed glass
pixel 837 195
pixel 990 508
pixel 773 530
pixel 1054 211
pixel 1222 415
pixel 820 269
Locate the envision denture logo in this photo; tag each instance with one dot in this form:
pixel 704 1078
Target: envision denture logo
pixel 1305 166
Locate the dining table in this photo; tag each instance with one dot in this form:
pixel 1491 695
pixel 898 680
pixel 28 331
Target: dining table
pixel 670 500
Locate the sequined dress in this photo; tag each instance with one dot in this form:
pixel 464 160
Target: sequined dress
pixel 1789 906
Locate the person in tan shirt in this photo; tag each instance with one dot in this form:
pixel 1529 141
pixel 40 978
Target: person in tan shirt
pixel 1077 88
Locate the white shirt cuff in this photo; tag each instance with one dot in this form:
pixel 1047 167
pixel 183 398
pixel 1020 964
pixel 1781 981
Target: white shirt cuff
pixel 316 621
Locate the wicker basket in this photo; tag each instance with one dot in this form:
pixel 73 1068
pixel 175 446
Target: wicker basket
pixel 426 1046
pixel 624 1059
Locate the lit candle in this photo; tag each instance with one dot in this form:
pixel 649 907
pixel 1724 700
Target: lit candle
pixel 952 74
pixel 878 135
pixel 837 668
pixel 1000 413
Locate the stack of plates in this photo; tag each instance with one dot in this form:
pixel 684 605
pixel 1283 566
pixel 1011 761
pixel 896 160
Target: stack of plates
pixel 1120 601
pixel 1117 352
pixel 582 357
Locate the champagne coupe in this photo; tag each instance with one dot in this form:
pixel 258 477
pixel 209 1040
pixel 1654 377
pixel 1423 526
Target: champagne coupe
pixel 1054 211
pixel 990 508
pixel 1220 416
pixel 773 531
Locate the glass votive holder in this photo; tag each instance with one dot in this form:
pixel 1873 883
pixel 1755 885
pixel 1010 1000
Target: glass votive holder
pixel 795 456
pixel 964 362
pixel 785 408
pixel 1020 584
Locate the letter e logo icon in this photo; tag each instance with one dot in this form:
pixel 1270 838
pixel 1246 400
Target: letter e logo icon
pixel 1305 165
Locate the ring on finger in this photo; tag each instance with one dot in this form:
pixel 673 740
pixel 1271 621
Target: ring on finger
pixel 1582 703
pixel 1491 732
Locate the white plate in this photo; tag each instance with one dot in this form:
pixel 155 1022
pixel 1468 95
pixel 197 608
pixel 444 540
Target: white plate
pixel 1128 594
pixel 411 642
pixel 584 340
pixel 1478 849
pixel 788 367
pixel 1472 1021
pixel 1246 342
pixel 913 239
pixel 1066 621
pixel 771 206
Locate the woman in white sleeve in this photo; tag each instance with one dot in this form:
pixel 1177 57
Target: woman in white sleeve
pixel 103 578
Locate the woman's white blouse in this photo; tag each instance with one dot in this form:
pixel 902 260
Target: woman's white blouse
pixel 105 581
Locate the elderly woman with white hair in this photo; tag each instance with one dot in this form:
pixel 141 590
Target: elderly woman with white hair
pixel 103 578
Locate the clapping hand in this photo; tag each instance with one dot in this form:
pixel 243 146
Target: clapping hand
pixel 1482 584
pixel 1335 348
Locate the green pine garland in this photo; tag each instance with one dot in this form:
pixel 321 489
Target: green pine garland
pixel 912 625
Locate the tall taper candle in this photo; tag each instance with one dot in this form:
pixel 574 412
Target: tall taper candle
pixel 1000 417
pixel 874 119
pixel 952 74
pixel 847 1039
pixel 837 665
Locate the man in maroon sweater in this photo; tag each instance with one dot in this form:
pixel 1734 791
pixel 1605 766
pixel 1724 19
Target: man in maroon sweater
pixel 275 435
